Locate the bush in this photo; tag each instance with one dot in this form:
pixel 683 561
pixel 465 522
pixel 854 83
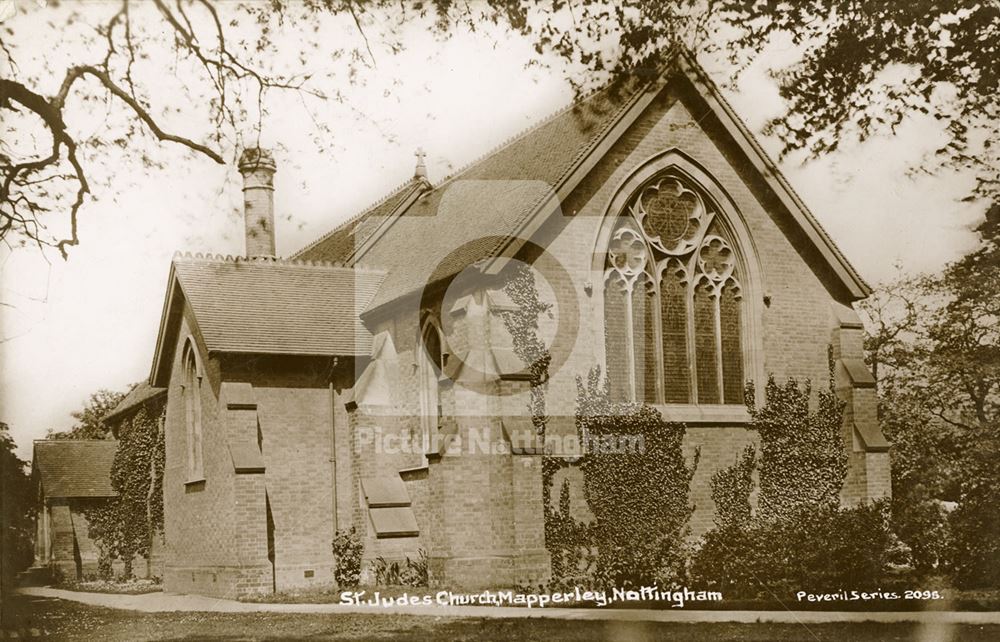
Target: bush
pixel 638 494
pixel 347 550
pixel 815 548
pixel 406 573
pixel 415 573
pixel 975 523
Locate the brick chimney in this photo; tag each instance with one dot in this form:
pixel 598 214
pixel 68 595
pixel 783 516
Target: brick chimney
pixel 257 167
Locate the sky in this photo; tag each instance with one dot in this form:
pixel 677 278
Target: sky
pixel 69 328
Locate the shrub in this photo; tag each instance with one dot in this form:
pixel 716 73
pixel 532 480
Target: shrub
pixel 815 548
pixel 408 572
pixel 104 565
pixel 386 573
pixel 415 573
pixel 975 523
pixel 347 550
pixel 639 495
pixel 799 539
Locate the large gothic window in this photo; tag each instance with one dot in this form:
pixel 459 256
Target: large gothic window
pixel 673 303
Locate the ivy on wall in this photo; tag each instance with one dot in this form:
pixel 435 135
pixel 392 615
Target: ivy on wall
pixel 731 490
pixel 561 532
pixel 799 538
pixel 639 495
pixel 803 461
pixel 125 526
pixel 639 498
pixel 522 324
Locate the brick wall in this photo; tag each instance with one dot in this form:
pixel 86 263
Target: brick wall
pixel 216 529
pixel 479 515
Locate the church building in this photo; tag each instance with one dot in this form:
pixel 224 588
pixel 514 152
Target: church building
pixel 377 379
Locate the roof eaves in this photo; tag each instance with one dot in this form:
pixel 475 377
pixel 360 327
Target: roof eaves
pixel 121 410
pixel 854 282
pixel 420 187
pixel 173 289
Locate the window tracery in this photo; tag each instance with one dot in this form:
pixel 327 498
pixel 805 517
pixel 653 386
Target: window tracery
pixel 673 303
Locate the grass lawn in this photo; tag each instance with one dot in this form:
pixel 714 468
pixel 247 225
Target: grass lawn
pixel 62 620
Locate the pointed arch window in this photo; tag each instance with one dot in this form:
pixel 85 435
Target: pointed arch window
pixel 430 363
pixel 192 414
pixel 673 304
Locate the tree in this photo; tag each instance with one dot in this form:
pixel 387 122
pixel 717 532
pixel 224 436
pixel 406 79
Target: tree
pixel 17 503
pixel 89 419
pixel 847 82
pixel 939 400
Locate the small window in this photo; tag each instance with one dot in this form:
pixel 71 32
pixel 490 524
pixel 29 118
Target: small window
pixel 192 414
pixel 430 363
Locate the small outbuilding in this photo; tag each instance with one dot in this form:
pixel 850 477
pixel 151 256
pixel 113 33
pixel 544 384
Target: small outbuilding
pixel 72 475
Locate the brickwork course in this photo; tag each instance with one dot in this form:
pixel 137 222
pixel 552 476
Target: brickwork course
pixel 297 386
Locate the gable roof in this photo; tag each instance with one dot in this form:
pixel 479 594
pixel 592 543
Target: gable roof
pixel 140 394
pixel 75 467
pixel 558 152
pixel 267 306
pixel 538 154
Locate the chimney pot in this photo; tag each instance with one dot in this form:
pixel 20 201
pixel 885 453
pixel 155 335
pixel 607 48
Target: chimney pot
pixel 257 167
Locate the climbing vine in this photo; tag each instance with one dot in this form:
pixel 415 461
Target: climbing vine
pixel 124 527
pixel 731 490
pixel 637 483
pixel 522 324
pixel 803 461
pixel 561 532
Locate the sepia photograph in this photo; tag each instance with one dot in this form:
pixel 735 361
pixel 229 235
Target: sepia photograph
pixel 500 320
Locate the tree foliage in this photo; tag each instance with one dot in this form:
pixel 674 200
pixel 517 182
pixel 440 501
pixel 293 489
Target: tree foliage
pixel 937 339
pixel 89 424
pixel 17 512
pixel 863 66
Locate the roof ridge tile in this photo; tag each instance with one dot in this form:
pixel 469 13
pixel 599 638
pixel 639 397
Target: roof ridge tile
pixel 199 257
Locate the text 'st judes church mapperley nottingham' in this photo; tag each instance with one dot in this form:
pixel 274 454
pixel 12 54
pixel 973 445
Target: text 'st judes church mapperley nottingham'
pixel 372 380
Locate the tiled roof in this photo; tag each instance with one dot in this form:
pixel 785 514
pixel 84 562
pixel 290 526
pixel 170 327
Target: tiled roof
pixel 337 244
pixel 140 394
pixel 548 155
pixel 273 306
pixel 453 227
pixel 75 467
pixel 522 170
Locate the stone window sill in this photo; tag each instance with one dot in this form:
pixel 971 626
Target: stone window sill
pixel 731 414
pixel 417 472
pixel 195 482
